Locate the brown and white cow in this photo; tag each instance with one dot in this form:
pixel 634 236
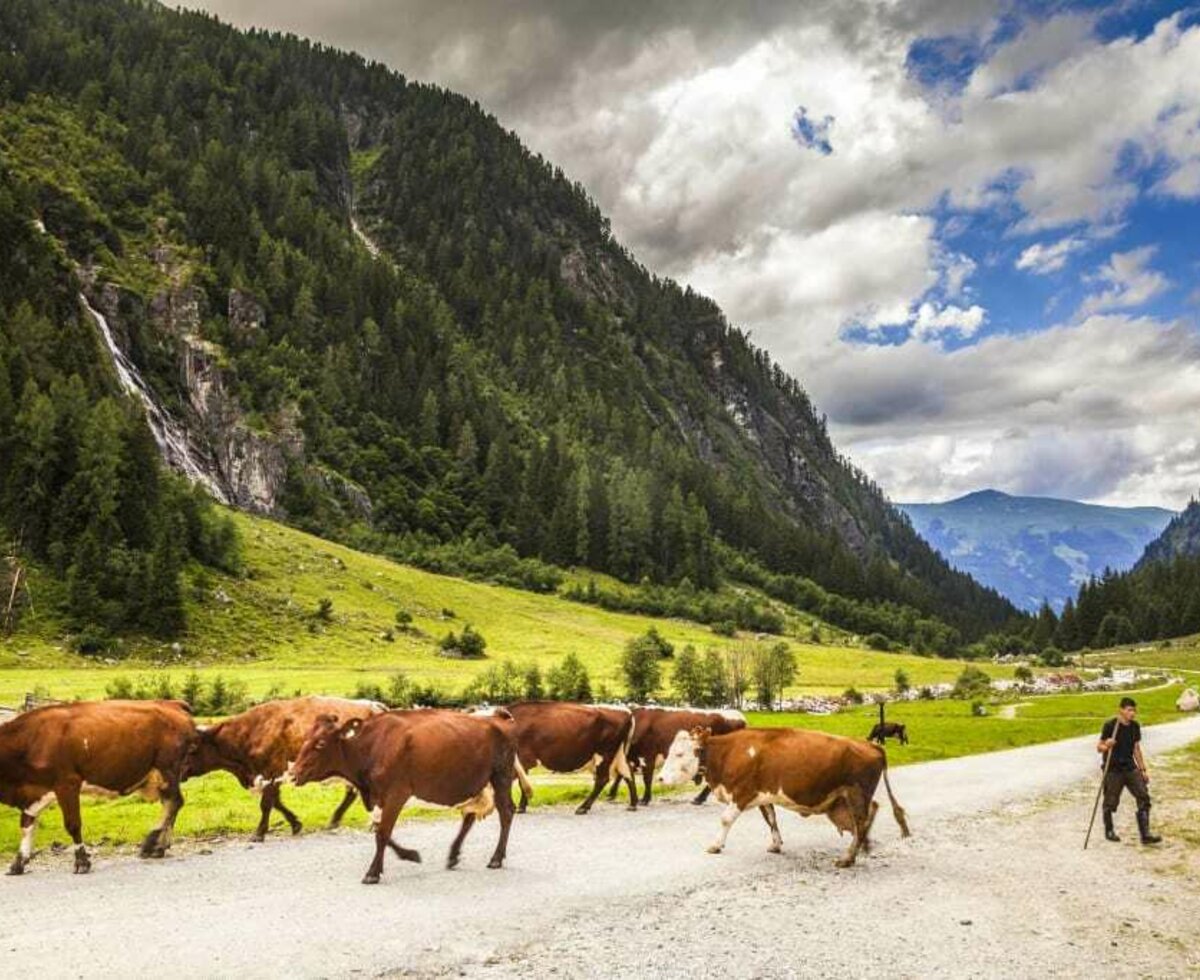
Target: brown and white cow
pixel 110 747
pixel 565 737
pixel 442 757
pixel 654 729
pixel 258 745
pixel 803 771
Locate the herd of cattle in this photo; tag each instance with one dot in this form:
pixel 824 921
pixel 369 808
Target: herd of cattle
pixel 464 760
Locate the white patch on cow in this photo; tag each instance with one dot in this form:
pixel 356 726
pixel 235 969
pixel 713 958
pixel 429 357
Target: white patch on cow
pixel 35 808
pixel 100 792
pixel 615 707
pixel 682 763
pixel 87 747
pixel 752 752
pixel 481 804
pixel 376 815
pixel 151 787
pixel 730 714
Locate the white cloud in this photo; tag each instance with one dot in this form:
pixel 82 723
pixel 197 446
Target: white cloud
pixel 1128 280
pixel 1101 410
pixel 931 321
pixel 1042 259
pixel 677 117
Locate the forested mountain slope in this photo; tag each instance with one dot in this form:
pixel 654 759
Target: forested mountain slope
pixel 502 373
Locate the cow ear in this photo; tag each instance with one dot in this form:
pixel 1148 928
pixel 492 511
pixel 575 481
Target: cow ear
pixel 350 729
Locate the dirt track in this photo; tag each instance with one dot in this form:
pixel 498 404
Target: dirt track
pixel 992 884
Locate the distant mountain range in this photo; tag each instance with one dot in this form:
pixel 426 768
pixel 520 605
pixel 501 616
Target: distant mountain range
pixel 1035 548
pixel 1181 538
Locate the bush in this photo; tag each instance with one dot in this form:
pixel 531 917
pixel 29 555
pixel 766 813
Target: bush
pixel 1052 657
pixel 403 619
pixel 971 683
pixel 853 695
pixel 569 680
pixel 1023 674
pixel 726 627
pixel 977 709
pixel 94 641
pixel 877 641
pixel 901 678
pixel 324 611
pixel 467 645
pixel 640 667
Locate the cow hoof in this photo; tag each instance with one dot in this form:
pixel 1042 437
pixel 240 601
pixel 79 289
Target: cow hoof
pixel 521 809
pixel 843 863
pixel 370 879
pixel 495 863
pixel 257 838
pixel 451 864
pixel 16 868
pixel 581 810
pixel 158 853
pixel 774 850
pixel 714 849
pixel 82 866
pixel 298 826
pixel 633 809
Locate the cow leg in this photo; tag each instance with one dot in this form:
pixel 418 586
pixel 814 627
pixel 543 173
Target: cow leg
pixel 850 813
pixel 159 839
pixel 702 796
pixel 293 820
pixel 504 809
pixel 866 831
pixel 526 789
pixel 728 817
pixel 768 813
pixel 383 840
pixel 266 803
pixel 29 819
pixel 468 821
pixel 598 786
pixel 68 802
pixel 347 801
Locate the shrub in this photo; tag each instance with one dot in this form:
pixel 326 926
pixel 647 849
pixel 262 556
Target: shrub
pixel 1023 674
pixel 971 683
pixel 640 667
pixel 1052 657
pixel 569 680
pixel 877 641
pixel 853 695
pixel 324 611
pixel 977 709
pixel 468 645
pixel 403 618
pixel 901 678
pixel 726 627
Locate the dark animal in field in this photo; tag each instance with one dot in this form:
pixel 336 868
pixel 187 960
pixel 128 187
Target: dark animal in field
pixel 566 737
pixel 442 757
pixel 108 747
pixel 258 745
pixel 804 771
pixel 888 729
pixel 654 729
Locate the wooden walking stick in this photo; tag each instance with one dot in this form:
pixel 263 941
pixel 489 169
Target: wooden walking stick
pixel 1103 779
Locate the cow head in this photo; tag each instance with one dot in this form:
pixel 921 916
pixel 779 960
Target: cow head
pixel 683 757
pixel 210 752
pixel 323 753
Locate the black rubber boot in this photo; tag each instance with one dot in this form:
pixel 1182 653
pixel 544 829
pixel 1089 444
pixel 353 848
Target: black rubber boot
pixel 1109 833
pixel 1143 818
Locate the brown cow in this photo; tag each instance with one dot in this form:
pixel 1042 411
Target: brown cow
pixel 442 757
pixel 258 745
pixel 654 729
pixel 804 771
pixel 565 737
pixel 110 747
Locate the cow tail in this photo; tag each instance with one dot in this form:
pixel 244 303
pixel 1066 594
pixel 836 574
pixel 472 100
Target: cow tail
pixel 897 809
pixel 620 763
pixel 522 778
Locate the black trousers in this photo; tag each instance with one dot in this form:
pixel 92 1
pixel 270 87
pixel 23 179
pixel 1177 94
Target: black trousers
pixel 1121 779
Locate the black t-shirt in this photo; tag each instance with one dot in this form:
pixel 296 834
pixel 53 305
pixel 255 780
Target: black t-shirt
pixel 1127 737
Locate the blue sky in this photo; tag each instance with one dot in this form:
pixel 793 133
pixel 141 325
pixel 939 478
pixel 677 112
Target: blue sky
pixel 969 227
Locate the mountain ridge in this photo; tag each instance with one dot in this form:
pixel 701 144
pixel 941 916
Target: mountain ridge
pixel 1035 548
pixel 506 377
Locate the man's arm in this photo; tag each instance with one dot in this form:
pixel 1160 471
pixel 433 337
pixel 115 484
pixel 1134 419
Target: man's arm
pixel 1141 761
pixel 1107 741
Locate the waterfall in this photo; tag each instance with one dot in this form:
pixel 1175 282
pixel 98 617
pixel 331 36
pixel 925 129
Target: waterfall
pixel 170 436
pixel 363 237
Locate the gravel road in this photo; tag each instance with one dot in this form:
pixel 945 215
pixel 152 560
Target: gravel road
pixel 993 883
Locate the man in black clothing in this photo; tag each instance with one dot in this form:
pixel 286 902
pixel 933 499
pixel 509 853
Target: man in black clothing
pixel 1122 736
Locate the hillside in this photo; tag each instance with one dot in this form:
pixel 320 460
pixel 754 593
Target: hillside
pixel 262 629
pixel 1179 539
pixel 357 303
pixel 1032 549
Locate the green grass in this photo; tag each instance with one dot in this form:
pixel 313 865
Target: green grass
pixel 947 729
pixel 266 635
pixel 1183 654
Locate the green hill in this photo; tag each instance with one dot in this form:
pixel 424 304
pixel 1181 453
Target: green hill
pixel 357 303
pixel 262 629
